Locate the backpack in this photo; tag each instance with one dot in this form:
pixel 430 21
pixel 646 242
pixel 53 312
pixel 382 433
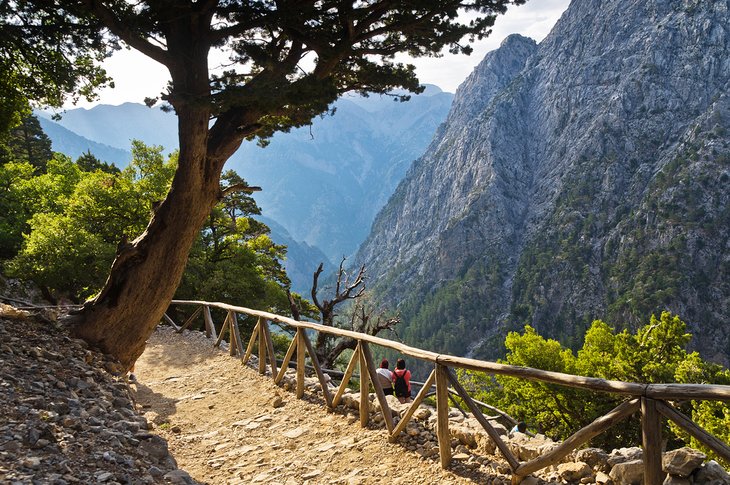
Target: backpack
pixel 401 387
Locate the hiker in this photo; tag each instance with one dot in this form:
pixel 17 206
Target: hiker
pixel 520 427
pixel 402 381
pixel 385 377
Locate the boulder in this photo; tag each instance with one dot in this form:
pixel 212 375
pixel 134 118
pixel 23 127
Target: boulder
pixel 621 455
pixel 682 462
pixel 465 434
pixel 396 408
pixel 574 471
pixel 711 473
pixel 628 473
pixel 423 412
pixel 526 448
pixel 485 443
pixel 596 458
pixel 351 400
pixel 9 311
pixel 603 479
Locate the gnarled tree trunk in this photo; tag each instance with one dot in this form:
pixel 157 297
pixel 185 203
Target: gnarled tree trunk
pixel 146 272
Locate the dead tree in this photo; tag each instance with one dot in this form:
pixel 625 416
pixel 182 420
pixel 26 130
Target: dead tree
pixel 362 319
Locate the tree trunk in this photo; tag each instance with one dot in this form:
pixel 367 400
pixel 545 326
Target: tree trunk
pixel 329 359
pixel 146 272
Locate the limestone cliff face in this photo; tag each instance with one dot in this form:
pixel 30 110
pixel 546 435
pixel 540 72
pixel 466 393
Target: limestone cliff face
pixel 585 177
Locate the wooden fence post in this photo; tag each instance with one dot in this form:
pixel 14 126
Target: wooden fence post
pixel 251 342
pixel 232 340
pixel 372 370
pixel 318 370
pixel 364 391
pixel 651 438
pixel 354 360
pixel 301 347
pixel 287 358
pixel 442 417
pixel 262 346
pixel 222 332
pixel 170 321
pixel 270 349
pixel 209 325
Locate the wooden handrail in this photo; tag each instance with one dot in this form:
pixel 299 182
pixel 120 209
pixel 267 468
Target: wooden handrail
pixel 650 396
pixel 654 391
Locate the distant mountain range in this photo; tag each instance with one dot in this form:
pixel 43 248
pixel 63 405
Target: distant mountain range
pixel 322 185
pixel 582 178
pixel 74 145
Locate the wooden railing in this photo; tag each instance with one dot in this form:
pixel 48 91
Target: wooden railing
pixel 650 399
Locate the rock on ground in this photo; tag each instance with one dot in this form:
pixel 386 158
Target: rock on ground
pixel 64 419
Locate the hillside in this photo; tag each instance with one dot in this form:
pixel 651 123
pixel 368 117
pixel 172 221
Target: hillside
pixel 73 145
pixel 581 178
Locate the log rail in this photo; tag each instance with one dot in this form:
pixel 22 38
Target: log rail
pixel 648 399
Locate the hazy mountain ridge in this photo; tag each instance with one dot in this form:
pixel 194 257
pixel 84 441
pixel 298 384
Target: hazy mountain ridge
pixel 323 184
pixel 326 183
pixel 73 145
pixel 542 198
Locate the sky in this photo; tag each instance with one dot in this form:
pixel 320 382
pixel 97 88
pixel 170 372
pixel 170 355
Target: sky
pixel 137 77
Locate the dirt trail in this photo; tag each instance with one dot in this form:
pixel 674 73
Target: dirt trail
pixel 225 423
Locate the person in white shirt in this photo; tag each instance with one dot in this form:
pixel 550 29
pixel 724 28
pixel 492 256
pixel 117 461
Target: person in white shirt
pixel 385 377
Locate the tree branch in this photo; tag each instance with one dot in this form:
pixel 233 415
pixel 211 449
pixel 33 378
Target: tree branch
pixel 238 188
pixel 122 30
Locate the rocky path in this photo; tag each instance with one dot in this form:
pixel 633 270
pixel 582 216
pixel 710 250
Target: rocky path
pixel 225 423
pixel 66 418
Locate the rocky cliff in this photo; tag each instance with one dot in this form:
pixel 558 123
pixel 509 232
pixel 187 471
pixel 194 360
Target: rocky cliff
pixel 582 178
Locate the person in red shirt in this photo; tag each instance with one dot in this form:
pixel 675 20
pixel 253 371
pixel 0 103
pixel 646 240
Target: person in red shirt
pixel 402 381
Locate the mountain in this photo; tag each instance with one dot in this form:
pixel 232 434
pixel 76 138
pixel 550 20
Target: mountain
pixel 302 259
pixel 73 145
pixel 117 126
pixel 585 177
pixel 325 183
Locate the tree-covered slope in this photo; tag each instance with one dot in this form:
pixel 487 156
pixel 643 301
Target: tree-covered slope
pixel 585 177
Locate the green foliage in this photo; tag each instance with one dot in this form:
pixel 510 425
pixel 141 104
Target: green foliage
pixel 14 210
pixel 89 163
pixel 79 218
pixel 25 193
pixel 656 353
pixel 62 256
pixel 27 143
pixel 46 54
